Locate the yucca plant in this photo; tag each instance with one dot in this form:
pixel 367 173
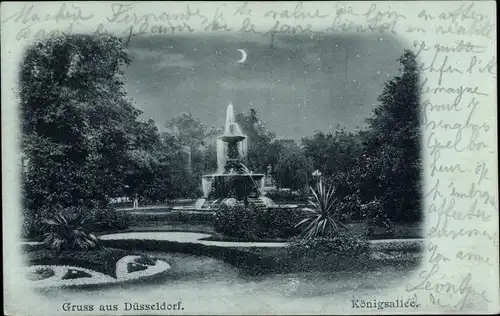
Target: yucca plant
pixel 320 220
pixel 69 234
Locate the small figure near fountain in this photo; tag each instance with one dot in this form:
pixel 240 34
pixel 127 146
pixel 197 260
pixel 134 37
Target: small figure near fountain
pixel 232 180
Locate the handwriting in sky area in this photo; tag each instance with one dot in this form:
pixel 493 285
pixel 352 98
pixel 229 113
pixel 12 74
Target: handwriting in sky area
pixel 295 19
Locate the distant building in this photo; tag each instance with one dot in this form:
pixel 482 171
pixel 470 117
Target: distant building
pixel 186 157
pixel 268 180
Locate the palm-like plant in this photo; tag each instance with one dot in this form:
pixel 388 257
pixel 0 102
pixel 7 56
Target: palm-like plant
pixel 69 234
pixel 320 220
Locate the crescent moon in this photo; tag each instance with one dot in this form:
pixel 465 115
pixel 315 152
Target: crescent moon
pixel 243 56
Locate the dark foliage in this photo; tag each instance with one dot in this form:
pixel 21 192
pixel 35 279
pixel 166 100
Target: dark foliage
pixel 293 170
pixel 381 163
pixel 32 222
pixel 74 113
pixel 253 223
pixel 107 219
pixel 237 221
pixel 259 140
pixel 332 253
pixel 322 217
pixel 82 140
pixel 100 219
pixel 392 152
pixel 288 196
pixel 69 233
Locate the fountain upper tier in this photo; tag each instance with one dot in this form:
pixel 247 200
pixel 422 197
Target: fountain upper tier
pixel 232 133
pixel 232 177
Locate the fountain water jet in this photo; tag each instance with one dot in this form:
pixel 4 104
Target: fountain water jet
pixel 232 178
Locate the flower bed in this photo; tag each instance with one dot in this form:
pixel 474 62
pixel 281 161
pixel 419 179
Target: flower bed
pixel 74 276
pixel 100 260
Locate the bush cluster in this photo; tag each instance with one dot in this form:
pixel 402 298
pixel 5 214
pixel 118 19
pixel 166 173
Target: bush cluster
pixel 328 253
pixel 102 219
pixel 253 223
pixel 106 219
pixel 287 196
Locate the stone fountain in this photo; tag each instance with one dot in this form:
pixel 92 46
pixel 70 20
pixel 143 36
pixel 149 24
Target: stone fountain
pixel 233 180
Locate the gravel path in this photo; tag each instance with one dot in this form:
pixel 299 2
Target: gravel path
pixel 189 237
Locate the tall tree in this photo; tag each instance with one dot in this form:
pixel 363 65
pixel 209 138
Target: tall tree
pixel 393 163
pixel 293 169
pixel 259 138
pixel 190 131
pixel 186 130
pixel 76 120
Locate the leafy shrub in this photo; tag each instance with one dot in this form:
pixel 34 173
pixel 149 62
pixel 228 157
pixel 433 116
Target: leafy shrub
pixel 253 222
pixel 75 274
pixel 134 267
pixel 40 274
pixel 106 219
pixel 69 234
pixel 100 219
pixel 237 220
pixel 278 222
pixel 32 225
pixel 146 260
pixel 349 208
pixel 375 216
pixel 287 196
pixel 328 253
pixel 322 219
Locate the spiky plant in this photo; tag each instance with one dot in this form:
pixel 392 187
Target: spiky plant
pixel 320 220
pixel 69 234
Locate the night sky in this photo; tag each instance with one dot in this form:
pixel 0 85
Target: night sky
pixel 298 85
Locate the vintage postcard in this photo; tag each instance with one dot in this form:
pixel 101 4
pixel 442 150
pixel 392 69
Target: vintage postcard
pixel 269 158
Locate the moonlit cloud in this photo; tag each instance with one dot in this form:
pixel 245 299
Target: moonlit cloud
pixel 162 59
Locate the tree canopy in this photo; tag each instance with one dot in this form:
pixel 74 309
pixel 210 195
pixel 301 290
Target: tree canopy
pixel 76 119
pixel 392 148
pixel 259 140
pixel 84 141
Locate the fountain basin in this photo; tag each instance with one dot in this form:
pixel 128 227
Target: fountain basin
pixel 239 186
pixel 232 138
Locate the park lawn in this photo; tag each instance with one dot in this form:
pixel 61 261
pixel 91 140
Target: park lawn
pixel 402 230
pixel 207 280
